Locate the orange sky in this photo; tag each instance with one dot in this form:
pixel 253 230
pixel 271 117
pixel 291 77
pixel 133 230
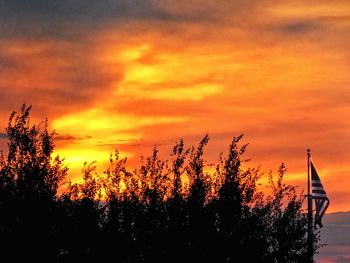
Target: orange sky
pixel 134 74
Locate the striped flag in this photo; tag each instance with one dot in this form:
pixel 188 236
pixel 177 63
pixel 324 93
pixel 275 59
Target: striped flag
pixel 319 195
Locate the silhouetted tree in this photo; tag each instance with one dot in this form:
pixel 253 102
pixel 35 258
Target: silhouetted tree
pixel 85 217
pixel 30 178
pixel 124 197
pixel 161 211
pixel 175 206
pixel 197 224
pixel 234 197
pixel 285 222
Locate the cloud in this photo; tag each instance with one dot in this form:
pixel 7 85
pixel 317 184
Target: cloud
pixel 53 76
pixel 137 73
pixel 66 137
pixel 65 19
pixel 120 9
pixel 81 9
pixel 300 27
pixel 66 68
pixel 3 136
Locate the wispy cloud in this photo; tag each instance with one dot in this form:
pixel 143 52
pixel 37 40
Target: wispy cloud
pixel 66 137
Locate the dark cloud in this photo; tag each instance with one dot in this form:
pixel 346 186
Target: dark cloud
pixel 300 27
pixel 3 136
pixel 66 19
pixel 96 11
pixel 119 142
pixel 56 19
pixel 66 137
pixel 80 9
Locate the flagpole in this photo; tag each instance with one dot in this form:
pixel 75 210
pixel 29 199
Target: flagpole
pixel 309 211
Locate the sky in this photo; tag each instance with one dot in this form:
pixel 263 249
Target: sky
pixel 137 74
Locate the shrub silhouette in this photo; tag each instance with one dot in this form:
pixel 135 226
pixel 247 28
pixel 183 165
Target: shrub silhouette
pixel 29 179
pixel 172 210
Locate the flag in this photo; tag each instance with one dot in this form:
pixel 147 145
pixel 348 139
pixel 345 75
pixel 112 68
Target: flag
pixel 319 195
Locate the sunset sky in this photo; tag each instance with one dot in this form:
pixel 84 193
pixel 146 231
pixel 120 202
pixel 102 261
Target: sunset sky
pixel 133 74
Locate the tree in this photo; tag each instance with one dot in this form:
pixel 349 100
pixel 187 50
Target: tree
pixel 145 214
pixel 29 179
pixel 175 206
pixel 83 216
pixel 198 221
pixel 285 222
pixel 233 204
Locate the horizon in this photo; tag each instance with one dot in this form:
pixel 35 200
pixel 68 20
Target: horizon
pixel 130 75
